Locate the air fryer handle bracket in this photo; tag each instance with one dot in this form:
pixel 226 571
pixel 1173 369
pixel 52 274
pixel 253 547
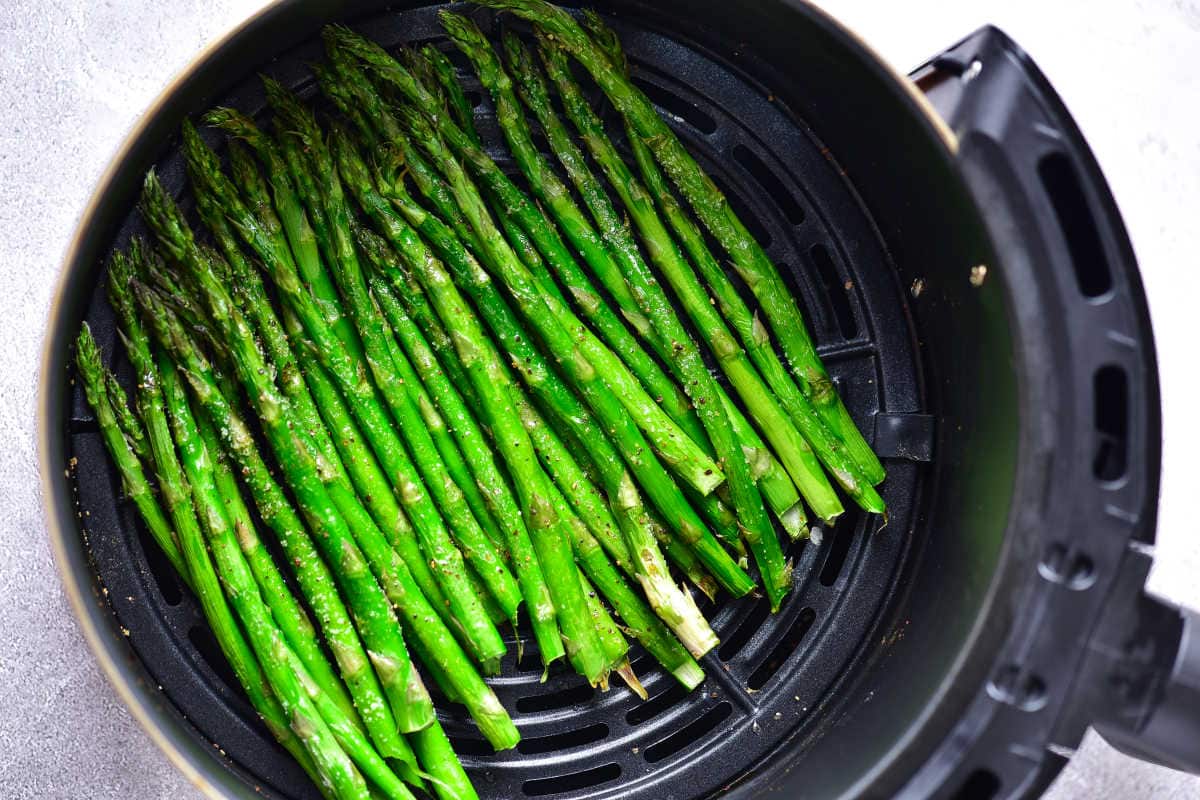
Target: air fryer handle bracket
pixel 1049 212
pixel 1145 687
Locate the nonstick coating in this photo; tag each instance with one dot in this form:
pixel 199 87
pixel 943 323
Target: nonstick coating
pixel 772 674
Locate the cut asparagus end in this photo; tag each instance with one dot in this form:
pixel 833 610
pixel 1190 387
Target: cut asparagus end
pixel 689 674
pixel 793 522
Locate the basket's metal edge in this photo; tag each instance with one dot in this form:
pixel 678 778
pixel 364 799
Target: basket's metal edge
pixel 117 675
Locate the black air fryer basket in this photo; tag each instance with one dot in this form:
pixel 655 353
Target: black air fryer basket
pixel 973 292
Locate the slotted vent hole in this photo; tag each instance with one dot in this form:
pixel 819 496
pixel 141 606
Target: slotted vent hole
pixel 835 289
pixel 754 620
pixel 471 746
pixel 1079 230
pixel 1110 390
pixel 677 107
pixel 564 698
pixel 460 61
pixel 690 733
pixel 783 650
pixel 982 784
pixel 842 534
pixel 205 643
pixel 767 178
pixel 160 568
pixel 573 782
pixel 562 741
pixel 644 712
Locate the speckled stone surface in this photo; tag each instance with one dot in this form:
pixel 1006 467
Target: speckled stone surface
pixel 74 77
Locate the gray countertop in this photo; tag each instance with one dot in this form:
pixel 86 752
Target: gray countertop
pixel 76 75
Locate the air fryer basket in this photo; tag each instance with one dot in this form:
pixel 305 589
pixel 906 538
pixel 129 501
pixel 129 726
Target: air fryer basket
pixel 1000 412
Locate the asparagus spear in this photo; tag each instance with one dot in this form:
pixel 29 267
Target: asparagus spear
pixel 252 184
pixel 754 336
pixel 554 194
pixel 777 488
pixel 313 576
pixel 540 377
pixel 482 368
pixel 376 620
pixel 271 247
pixel 447 77
pixel 714 211
pixel 651 567
pixel 230 639
pixel 698 382
pixel 560 464
pixel 448 488
pixel 649 471
pixel 792 449
pixel 533 583
pixel 326 236
pixel 356 456
pixel 133 478
pixel 684 455
pixel 752 515
pixel 639 620
pixel 442 652
pixel 221 527
pixel 126 420
pixel 292 620
pixel 347 86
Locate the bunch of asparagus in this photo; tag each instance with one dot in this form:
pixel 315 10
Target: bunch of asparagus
pixel 449 395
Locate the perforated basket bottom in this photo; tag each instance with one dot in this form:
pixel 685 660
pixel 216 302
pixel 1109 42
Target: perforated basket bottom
pixel 772 673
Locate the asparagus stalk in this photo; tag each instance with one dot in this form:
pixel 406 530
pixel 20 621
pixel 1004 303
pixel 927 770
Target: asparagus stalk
pixel 447 78
pixel 714 211
pixel 639 620
pixel 672 604
pixel 126 420
pixel 237 651
pixel 481 364
pixel 271 247
pixel 448 488
pixel 220 526
pixel 789 446
pixel 560 464
pixel 313 576
pixel 651 567
pixel 133 478
pixel 650 472
pixel 684 455
pixel 777 488
pixel 328 239
pixel 376 620
pixel 355 455
pixel 540 377
pixel 292 620
pixel 591 505
pixel 533 583
pixel 649 564
pixel 442 652
pixel 349 89
pixel 431 67
pixel 554 194
pixel 435 753
pixel 756 527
